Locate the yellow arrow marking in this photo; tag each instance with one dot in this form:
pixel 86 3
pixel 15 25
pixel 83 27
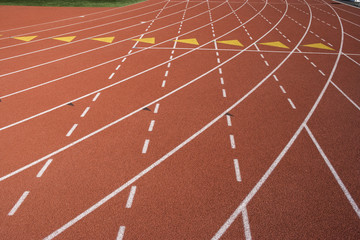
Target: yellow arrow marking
pixel 145 40
pixel 65 39
pixel 275 44
pixel 189 41
pixel 231 42
pixel 104 39
pixel 319 45
pixel 25 38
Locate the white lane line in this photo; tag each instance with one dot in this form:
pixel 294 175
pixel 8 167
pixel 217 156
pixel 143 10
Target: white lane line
pixel 121 233
pixel 117 68
pixel 218 60
pixel 130 52
pixel 266 63
pixel 169 64
pixel 19 202
pixel 145 147
pixel 275 77
pixel 222 81
pixel 351 59
pixel 96 97
pixel 346 96
pixel 166 73
pixel 228 119
pixel 232 141
pixel 220 70
pixel 157 108
pixel 46 165
pixel 333 171
pixel 111 76
pixel 163 83
pixel 224 92
pixel 71 130
pixel 237 170
pixel 85 111
pixel 291 103
pixel 313 64
pixel 306 57
pixel 282 89
pixel 246 224
pixel 151 126
pixel 262 56
pixel 321 72
pixel 131 197
pixel 124 59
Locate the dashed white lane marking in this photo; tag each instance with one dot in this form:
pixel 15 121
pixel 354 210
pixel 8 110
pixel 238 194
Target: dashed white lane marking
pixel 232 141
pixel 117 68
pixel 313 64
pixel 163 83
pixel 169 64
pixel 166 73
pixel 146 145
pixel 71 130
pixel 121 233
pixel 19 202
pixel 275 77
pixel 130 52
pixel 282 89
pixel 96 97
pixel 124 59
pixel 218 60
pixel 306 57
pixel 222 81
pixel 246 224
pixel 46 165
pixel 111 76
pixel 291 103
pixel 333 171
pixel 224 92
pixel 237 170
pixel 157 108
pixel 220 70
pixel 151 126
pixel 131 197
pixel 321 72
pixel 85 111
pixel 266 63
pixel 228 119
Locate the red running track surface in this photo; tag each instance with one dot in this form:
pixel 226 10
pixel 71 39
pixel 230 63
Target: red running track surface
pixel 230 119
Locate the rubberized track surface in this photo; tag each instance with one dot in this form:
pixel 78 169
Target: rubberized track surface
pixel 183 120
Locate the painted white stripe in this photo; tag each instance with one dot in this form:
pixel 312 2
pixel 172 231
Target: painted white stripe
pixel 282 89
pixel 220 70
pixel 346 96
pixel 151 126
pixel 333 171
pixel 169 64
pixel 275 77
pixel 71 130
pixel 313 64
pixel 222 81
pixel 46 165
pixel 85 111
pixel 130 52
pixel 237 170
pixel 228 119
pixel 232 141
pixel 246 224
pixel 166 73
pixel 321 72
pixel 266 63
pixel 262 56
pixel 306 57
pixel 131 197
pixel 224 92
pixel 145 147
pixel 163 83
pixel 218 60
pixel 117 68
pixel 157 108
pixel 111 76
pixel 173 51
pixel 291 103
pixel 124 59
pixel 19 202
pixel 96 97
pixel 121 233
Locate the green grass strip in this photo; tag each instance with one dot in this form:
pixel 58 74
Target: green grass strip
pixel 70 3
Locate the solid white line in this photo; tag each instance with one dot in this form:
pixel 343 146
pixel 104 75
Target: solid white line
pixel 246 224
pixel 71 130
pixel 121 233
pixel 145 147
pixel 228 119
pixel 351 59
pixel 111 76
pixel 275 77
pixel 157 108
pixel 291 103
pixel 96 96
pixel 237 170
pixel 222 81
pixel 333 171
pixel 19 202
pixel 46 165
pixel 282 89
pixel 232 141
pixel 224 92
pixel 347 97
pixel 85 111
pixel 117 68
pixel 131 197
pixel 151 126
pixel 163 83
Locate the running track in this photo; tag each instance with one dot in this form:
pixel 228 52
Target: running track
pixel 169 138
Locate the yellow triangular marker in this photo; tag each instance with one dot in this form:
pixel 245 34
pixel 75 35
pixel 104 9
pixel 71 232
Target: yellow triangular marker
pixel 232 42
pixel 319 45
pixel 145 40
pixel 26 39
pixel 275 44
pixel 65 39
pixel 104 39
pixel 189 41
